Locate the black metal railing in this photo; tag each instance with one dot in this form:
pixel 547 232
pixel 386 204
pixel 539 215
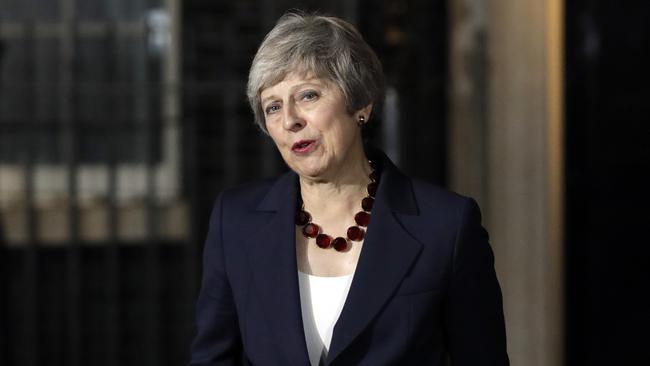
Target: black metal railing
pixel 106 277
pixel 99 252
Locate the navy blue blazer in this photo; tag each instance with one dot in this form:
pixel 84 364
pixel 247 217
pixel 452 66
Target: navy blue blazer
pixel 424 291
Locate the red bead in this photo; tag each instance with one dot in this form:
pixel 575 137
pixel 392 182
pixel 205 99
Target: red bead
pixel 340 244
pixel 362 218
pixel 310 230
pixel 323 241
pixel 372 189
pixel 355 233
pixel 367 203
pixel 302 218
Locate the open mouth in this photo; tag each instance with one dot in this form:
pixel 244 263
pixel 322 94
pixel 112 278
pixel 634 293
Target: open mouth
pixel 303 146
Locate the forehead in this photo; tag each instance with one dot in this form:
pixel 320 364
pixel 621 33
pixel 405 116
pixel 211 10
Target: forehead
pixel 293 80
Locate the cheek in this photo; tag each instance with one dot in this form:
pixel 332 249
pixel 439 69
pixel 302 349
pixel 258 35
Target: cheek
pixel 275 135
pixel 342 130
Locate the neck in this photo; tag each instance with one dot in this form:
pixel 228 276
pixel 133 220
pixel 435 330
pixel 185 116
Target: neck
pixel 341 193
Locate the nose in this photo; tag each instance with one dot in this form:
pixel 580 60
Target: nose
pixel 293 120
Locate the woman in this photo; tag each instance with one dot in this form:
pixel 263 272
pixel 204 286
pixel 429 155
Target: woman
pixel 343 260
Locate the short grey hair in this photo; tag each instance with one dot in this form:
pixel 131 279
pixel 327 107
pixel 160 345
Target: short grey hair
pixel 330 48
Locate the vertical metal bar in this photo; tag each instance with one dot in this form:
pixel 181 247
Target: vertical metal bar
pixel 230 138
pixel 172 103
pixel 391 131
pixel 232 128
pixel 112 290
pixel 5 330
pixel 146 127
pixel 193 249
pixel 4 292
pixel 270 159
pixel 31 295
pixel 112 268
pixel 30 298
pixel 67 101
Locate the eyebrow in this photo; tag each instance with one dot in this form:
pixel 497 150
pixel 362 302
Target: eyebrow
pixel 307 82
pixel 267 98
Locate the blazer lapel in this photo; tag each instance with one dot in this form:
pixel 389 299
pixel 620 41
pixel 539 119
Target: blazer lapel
pixel 387 255
pixel 272 256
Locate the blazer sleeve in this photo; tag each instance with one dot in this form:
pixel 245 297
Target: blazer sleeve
pixel 218 340
pixel 474 323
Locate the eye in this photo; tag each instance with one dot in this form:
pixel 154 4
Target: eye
pixel 272 108
pixel 309 95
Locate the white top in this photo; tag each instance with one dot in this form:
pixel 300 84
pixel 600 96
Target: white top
pixel 321 300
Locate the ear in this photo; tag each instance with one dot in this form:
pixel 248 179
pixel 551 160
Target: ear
pixel 365 112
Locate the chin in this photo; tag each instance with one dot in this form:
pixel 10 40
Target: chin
pixel 311 171
pixel 307 167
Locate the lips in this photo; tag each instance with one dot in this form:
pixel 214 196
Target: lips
pixel 304 146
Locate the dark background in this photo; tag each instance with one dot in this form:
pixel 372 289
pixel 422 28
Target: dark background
pixel 607 165
pixel 118 302
pixel 132 303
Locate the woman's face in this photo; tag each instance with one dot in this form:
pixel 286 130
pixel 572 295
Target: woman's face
pixel 308 121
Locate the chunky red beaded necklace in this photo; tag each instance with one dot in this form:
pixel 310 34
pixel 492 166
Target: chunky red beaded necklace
pixel 354 233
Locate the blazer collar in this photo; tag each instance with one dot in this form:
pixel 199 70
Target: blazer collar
pixel 271 251
pixel 388 253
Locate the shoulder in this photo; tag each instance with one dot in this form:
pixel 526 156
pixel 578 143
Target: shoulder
pixel 431 196
pixel 247 194
pixel 414 196
pixel 250 194
pixel 424 204
pixel 255 195
pixel 434 199
pixel 441 212
pixel 436 215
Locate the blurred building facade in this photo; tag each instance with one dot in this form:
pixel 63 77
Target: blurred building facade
pixel 95 213
pixel 121 120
